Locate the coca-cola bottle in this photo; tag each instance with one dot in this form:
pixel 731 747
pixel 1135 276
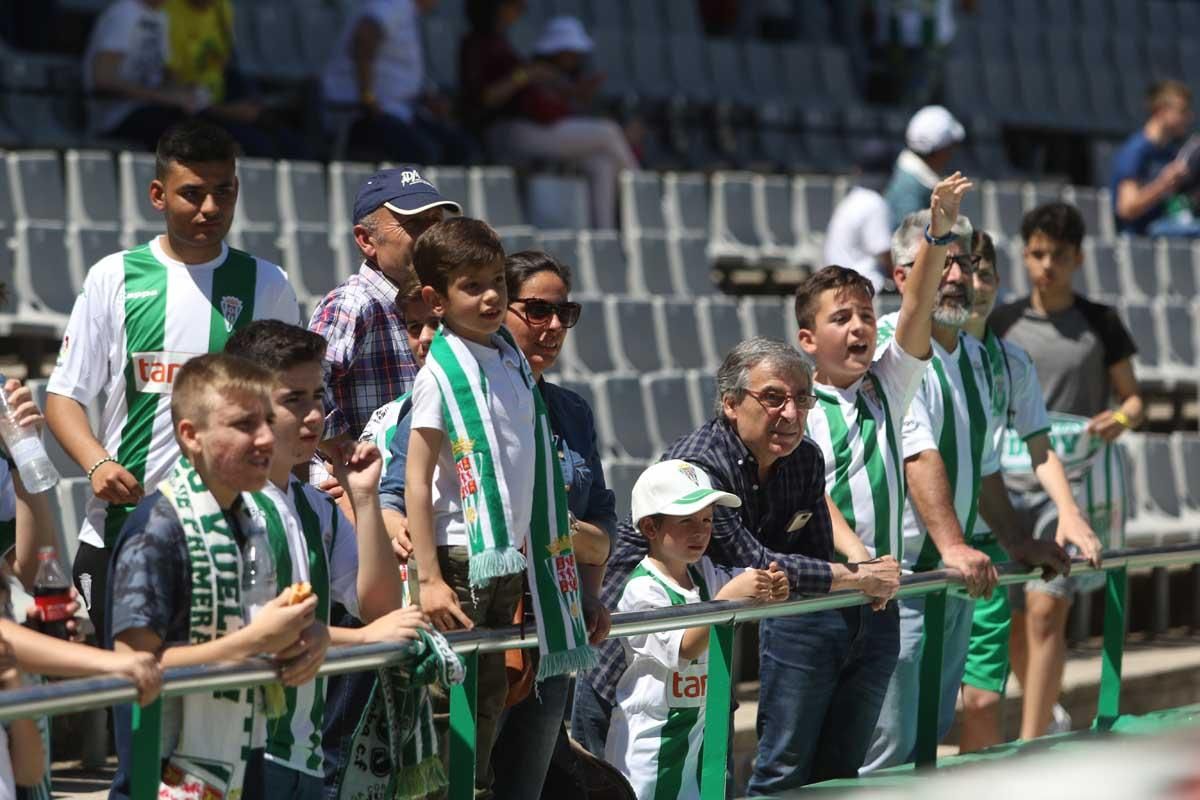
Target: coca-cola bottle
pixel 52 594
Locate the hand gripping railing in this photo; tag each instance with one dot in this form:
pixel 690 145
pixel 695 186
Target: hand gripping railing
pixel 720 615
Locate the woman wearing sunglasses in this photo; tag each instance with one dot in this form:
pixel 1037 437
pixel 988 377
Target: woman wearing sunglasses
pixel 539 316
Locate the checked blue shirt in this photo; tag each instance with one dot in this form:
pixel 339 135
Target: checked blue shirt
pixel 792 496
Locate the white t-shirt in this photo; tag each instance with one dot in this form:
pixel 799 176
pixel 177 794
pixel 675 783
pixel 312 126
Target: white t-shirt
pixel 864 459
pixel 139 33
pixel 658 687
pixel 950 413
pixel 859 230
pixel 140 316
pixel 510 403
pixel 399 69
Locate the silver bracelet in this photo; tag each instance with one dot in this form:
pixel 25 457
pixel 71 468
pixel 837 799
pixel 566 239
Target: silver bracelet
pixel 97 465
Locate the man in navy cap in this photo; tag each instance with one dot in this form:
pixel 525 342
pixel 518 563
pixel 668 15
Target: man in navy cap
pixel 368 361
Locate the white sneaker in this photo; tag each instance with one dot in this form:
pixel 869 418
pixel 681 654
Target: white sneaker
pixel 1060 722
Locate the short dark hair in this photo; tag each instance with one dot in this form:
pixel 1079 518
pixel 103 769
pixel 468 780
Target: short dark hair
pixel 520 267
pixel 1159 91
pixel 454 244
pixel 808 293
pixel 983 245
pixel 1060 221
pixel 276 345
pixel 193 141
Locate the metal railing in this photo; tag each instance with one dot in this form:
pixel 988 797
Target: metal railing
pixel 719 615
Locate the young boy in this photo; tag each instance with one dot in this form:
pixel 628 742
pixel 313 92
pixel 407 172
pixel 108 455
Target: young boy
pixel 176 590
pixel 1083 354
pixel 1019 419
pixel 479 453
pixel 658 723
pixel 348 563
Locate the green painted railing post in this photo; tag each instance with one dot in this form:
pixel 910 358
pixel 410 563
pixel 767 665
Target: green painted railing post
pixel 1108 708
pixel 929 698
pixel 147 759
pixel 717 709
pixel 462 732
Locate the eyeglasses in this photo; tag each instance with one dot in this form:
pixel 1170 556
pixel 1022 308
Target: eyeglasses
pixel 773 400
pixel 538 311
pixel 967 264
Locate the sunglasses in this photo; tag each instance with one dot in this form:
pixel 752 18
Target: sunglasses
pixel 538 311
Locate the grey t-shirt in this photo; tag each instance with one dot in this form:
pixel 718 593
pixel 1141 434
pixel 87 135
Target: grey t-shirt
pixel 1072 350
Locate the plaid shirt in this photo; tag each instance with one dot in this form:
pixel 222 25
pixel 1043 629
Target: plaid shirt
pixel 751 536
pixel 368 361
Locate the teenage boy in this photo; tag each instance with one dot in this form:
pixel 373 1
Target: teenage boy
pixel 1019 418
pixel 141 315
pixel 861 403
pixel 176 577
pixel 348 563
pixel 658 723
pixel 479 454
pixel 952 473
pixel 1083 354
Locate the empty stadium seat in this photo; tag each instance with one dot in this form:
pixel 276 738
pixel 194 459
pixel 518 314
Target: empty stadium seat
pixel 1179 340
pixel 703 386
pixel 620 475
pixel 258 194
pixel 42 261
pixel 1103 271
pixel 815 196
pixel 277 41
pixel 303 193
pixel 1139 271
pixel 1158 497
pixel 87 244
pixel 733 233
pixel 494 196
pixel 1179 271
pixel 1187 460
pixel 642 202
pixel 650 264
pixel 1140 317
pixel 345 179
pixel 668 408
pixel 92 196
pixel 452 183
pixel 564 246
pixel 37 182
pixel 686 201
pixel 721 327
pixel 766 316
pixel 775 216
pixel 589 344
pixel 311 263
pixel 558 201
pixel 622 415
pixel 679 318
pixel 692 271
pixel 264 243
pixel 136 171
pixel 633 322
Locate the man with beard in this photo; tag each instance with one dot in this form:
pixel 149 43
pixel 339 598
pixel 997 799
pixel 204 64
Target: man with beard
pixel 953 476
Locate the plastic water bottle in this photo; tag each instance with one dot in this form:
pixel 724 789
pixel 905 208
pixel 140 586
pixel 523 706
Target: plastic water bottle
pixel 25 446
pixel 258 575
pixel 52 594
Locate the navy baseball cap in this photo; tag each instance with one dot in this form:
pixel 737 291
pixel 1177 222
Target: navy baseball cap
pixel 401 189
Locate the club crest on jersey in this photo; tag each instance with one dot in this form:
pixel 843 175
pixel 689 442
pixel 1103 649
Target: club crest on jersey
pixel 231 309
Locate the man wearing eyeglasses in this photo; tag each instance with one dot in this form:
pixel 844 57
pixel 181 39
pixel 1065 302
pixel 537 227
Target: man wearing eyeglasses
pixel 368 361
pixel 754 448
pixel 953 476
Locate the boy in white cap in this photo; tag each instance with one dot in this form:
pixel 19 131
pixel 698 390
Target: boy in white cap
pixel 658 723
pixel 930 139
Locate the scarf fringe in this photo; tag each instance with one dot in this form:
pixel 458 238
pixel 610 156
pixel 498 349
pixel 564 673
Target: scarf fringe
pixel 495 563
pixel 579 659
pixel 414 783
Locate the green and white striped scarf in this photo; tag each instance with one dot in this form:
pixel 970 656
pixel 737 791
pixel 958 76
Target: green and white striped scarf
pixel 552 575
pixel 215 728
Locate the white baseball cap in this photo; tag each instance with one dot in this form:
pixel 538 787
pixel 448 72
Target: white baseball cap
pixel 562 35
pixel 932 128
pixel 677 488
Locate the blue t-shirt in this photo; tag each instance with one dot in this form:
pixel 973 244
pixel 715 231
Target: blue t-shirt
pixel 574 430
pixel 1141 160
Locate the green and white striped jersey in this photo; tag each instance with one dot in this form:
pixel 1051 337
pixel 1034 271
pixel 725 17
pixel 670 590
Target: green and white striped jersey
pixel 950 413
pixel 141 315
pixel 859 432
pixel 1017 401
pixel 323 550
pixel 658 722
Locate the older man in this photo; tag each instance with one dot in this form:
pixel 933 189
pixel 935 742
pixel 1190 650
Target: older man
pixel 755 448
pixel 953 476
pixel 368 361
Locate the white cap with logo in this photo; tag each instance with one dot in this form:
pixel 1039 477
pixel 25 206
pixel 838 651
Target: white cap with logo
pixel 932 128
pixel 677 488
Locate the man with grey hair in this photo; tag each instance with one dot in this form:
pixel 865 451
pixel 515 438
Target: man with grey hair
pixel 953 475
pixel 754 448
pixel 368 362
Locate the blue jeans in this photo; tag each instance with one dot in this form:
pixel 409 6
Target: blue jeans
pixel 823 678
pixel 590 717
pixel 895 735
pixel 284 782
pixel 525 744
